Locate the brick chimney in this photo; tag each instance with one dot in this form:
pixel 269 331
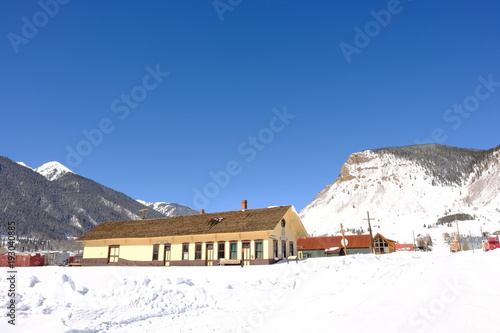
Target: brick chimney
pixel 243 205
pixel 202 211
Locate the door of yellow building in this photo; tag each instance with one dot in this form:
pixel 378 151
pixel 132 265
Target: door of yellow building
pixel 210 254
pixel 166 255
pixel 245 253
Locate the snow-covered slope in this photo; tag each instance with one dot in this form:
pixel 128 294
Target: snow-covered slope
pixel 404 188
pixel 24 165
pixel 401 292
pixel 169 209
pixel 53 170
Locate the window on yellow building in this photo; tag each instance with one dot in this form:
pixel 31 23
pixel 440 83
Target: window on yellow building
pixel 233 250
pixel 259 250
pixel 221 253
pixel 185 251
pixel 156 250
pixel 197 251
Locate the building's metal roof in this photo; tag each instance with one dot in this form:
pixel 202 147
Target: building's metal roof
pixel 328 242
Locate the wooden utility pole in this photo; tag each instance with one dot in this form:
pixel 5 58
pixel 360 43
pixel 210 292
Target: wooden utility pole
pixel 458 237
pixel 344 243
pixel 371 233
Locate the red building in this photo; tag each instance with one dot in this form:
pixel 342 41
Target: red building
pixel 23 260
pixel 405 247
pixel 328 246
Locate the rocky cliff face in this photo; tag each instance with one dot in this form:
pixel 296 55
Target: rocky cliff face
pixel 407 187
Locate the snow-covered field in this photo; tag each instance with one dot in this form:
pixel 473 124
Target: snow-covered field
pixel 400 292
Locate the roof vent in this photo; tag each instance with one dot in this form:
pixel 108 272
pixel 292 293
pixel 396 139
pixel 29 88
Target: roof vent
pixel 215 220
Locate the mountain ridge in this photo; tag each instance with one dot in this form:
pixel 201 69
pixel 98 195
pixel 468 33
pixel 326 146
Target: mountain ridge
pixel 52 203
pixel 442 158
pixel 407 187
pixel 169 209
pixel 52 170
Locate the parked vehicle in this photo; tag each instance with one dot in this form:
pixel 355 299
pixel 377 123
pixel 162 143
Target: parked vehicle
pixel 490 244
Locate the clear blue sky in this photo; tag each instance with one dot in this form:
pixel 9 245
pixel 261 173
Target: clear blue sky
pixel 341 77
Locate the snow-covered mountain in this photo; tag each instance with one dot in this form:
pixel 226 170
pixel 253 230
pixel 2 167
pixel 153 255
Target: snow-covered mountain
pixel 53 170
pixel 169 209
pixel 406 188
pixel 23 164
pixel 53 203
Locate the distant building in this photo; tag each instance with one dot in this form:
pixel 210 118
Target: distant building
pixel 247 236
pixel 23 260
pixel 330 246
pixel 383 245
pixel 405 247
pixel 471 243
pixel 56 258
pixel 491 243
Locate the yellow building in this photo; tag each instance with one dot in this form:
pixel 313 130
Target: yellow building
pixel 254 236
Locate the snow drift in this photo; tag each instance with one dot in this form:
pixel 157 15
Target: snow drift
pixel 400 292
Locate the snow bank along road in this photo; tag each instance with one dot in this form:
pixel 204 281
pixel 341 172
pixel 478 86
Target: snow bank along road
pixel 401 292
